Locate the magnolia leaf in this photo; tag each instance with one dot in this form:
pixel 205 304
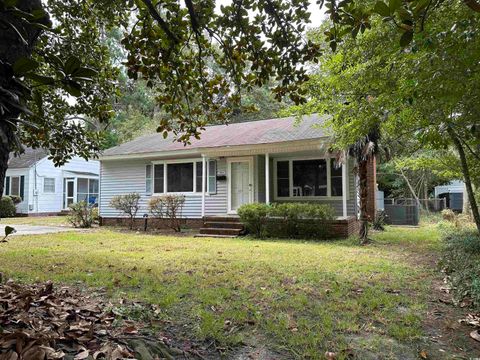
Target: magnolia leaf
pixel 406 38
pixel 73 88
pixel 43 80
pixel 24 65
pixel 382 9
pixel 394 5
pixel 71 65
pixel 84 72
pixel 9 230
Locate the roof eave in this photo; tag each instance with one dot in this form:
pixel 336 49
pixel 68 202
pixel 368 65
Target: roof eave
pixel 281 145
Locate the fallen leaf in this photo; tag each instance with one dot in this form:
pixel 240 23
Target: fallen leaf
pixel 475 335
pixel 423 354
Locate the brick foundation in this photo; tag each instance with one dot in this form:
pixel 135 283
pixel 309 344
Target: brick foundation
pixel 344 227
pixel 151 224
pixel 338 229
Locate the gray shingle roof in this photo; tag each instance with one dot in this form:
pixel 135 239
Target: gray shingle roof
pixel 27 159
pixel 246 133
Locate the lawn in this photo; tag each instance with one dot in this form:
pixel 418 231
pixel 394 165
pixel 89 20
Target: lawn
pixel 36 220
pixel 299 299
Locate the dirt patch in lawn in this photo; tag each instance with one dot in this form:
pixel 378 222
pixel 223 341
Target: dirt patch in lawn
pixel 447 337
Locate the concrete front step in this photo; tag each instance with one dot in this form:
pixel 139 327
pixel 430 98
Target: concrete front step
pixel 223 225
pixel 220 231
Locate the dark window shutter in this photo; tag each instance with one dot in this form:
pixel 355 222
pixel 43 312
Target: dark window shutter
pixel 22 186
pixel 7 185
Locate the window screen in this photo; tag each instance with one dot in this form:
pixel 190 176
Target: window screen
pixel 180 177
pixel 336 179
pixel 310 177
pixel 158 178
pixel 283 179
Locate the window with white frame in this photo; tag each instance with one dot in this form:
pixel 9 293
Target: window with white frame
pixel 181 177
pixel 49 185
pixel 15 185
pixel 87 190
pixel 307 178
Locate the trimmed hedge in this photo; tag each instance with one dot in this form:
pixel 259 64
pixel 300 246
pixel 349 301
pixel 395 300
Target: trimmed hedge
pixel 287 220
pixel 7 207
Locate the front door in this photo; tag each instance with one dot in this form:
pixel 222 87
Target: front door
pixel 70 192
pixel 240 184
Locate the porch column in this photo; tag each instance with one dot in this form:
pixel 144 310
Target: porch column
pixel 204 181
pixel 267 178
pixel 344 184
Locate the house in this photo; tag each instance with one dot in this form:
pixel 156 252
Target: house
pixel 266 161
pixel 46 189
pixel 453 193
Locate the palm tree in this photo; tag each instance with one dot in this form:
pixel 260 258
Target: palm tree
pixel 363 151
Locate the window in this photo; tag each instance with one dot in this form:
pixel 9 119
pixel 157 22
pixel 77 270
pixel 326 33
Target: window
pixel 93 187
pixel 15 185
pixel 307 178
pixel 158 178
pixel 283 179
pixel 49 185
pixel 180 177
pixel 199 176
pixel 82 189
pixel 87 190
pixel 212 176
pixel 336 179
pixel 148 179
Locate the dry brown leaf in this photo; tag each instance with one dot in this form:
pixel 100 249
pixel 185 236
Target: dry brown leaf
pixel 330 355
pixel 475 335
pixel 423 354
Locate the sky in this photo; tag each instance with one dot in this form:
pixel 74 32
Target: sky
pixel 317 14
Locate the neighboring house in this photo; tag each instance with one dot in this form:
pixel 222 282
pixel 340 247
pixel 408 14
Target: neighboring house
pixel 265 161
pixel 46 189
pixel 453 193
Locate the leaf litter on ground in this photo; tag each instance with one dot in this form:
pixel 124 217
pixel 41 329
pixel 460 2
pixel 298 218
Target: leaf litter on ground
pixel 39 321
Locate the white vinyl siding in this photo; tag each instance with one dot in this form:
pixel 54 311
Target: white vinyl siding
pixel 127 176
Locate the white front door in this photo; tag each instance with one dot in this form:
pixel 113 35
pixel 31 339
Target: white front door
pixel 240 183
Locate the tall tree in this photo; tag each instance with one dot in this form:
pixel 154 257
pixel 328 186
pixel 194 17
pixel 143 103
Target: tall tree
pixel 428 89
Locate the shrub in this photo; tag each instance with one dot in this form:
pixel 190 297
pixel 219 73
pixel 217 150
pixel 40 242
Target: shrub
pixel 168 207
pixel 380 221
pixel 461 261
pixel 254 216
pixel 287 220
pixel 7 207
pixel 82 214
pixel 449 215
pixel 128 204
pixel 16 199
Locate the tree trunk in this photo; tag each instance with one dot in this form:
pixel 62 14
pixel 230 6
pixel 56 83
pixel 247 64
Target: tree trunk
pixel 363 184
pixel 466 177
pixel 410 187
pixel 12 47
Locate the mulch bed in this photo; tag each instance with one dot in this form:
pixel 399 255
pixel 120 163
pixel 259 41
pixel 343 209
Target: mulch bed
pixel 40 321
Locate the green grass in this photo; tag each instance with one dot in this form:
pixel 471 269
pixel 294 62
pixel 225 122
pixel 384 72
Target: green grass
pixel 36 220
pixel 303 298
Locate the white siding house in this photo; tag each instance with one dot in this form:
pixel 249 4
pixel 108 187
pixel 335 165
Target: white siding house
pixel 226 168
pixel 47 189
